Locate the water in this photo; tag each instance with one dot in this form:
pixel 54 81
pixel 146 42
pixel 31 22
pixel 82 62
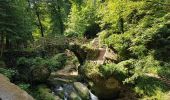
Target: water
pixel 92 96
pixel 67 88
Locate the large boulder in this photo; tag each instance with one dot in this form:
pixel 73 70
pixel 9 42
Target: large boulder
pixel 36 75
pixel 32 70
pixel 74 96
pixel 58 98
pixel 82 90
pixel 40 74
pixel 9 91
pixel 99 84
pixel 106 89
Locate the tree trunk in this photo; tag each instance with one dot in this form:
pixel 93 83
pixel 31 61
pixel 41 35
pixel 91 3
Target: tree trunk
pixel 121 25
pixel 60 20
pixel 40 24
pixel 2 44
pixel 57 11
pixel 7 46
pixel 39 20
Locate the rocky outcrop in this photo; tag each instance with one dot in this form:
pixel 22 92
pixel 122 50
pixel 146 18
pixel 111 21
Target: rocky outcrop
pixel 9 91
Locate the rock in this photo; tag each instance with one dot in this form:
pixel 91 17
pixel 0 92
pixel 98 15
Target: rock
pixel 110 55
pixel 106 89
pixel 43 92
pixel 40 74
pixel 58 98
pixel 95 43
pixel 82 90
pixel 74 96
pixel 31 73
pixel 10 91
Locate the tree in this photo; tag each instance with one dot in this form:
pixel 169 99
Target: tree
pixel 82 16
pixel 58 11
pixel 15 24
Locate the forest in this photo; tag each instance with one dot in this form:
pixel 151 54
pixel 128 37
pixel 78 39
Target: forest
pixel 84 49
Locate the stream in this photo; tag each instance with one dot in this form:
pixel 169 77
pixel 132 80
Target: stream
pixel 65 90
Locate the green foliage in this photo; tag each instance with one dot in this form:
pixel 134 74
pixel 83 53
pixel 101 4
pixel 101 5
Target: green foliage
pixel 164 71
pixel 151 88
pixel 137 31
pixel 51 45
pixel 91 70
pixel 103 35
pixel 30 62
pixel 28 66
pixel 15 22
pixel 140 38
pixel 111 11
pixel 80 18
pixel 24 86
pixel 57 62
pixel 120 70
pixel 129 70
pixel 8 72
pixel 134 71
pixel 120 43
pixel 54 63
pixel 39 69
pixel 42 92
pixel 59 10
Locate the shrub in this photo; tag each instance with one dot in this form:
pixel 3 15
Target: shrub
pixel 151 88
pixel 91 71
pixel 24 86
pixel 8 72
pixel 81 18
pixel 57 62
pixel 42 92
pixel 92 53
pixel 39 69
pixel 32 69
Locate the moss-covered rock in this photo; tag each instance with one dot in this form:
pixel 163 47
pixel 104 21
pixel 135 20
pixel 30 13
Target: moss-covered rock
pixel 101 84
pixel 91 71
pixel 42 92
pixel 58 98
pixel 40 74
pixel 74 96
pixel 106 89
pixel 82 90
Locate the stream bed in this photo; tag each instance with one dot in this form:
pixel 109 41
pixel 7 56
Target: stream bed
pixel 71 92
